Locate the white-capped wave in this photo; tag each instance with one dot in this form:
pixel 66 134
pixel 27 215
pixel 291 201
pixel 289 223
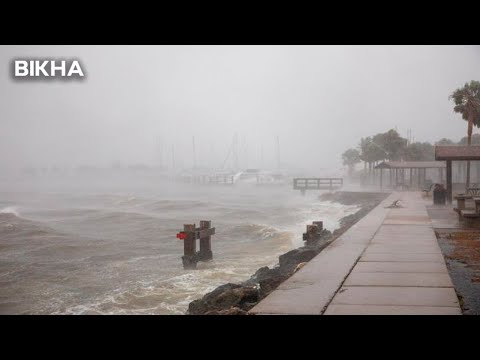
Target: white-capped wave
pixel 10 210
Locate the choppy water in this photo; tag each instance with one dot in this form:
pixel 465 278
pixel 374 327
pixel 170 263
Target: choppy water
pixel 110 248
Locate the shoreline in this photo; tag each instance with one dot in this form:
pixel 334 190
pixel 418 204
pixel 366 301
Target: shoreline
pixel 238 299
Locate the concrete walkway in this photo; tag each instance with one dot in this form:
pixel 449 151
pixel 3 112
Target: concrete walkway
pixel 387 263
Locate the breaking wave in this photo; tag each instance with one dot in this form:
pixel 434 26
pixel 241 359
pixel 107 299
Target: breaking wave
pixel 10 210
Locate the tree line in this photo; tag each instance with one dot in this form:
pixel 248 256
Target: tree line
pixel 390 146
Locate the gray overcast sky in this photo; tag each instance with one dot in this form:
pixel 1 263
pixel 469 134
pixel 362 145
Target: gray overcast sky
pixel 319 100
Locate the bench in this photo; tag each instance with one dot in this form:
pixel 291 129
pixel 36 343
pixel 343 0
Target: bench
pixel 472 194
pixel 473 191
pixel 465 213
pixel 476 200
pixel 470 214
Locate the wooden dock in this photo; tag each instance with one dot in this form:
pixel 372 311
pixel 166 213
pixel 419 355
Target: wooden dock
pixel 304 184
pixel 387 263
pixel 216 179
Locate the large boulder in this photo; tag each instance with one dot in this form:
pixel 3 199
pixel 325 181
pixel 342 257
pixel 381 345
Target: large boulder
pixel 267 279
pixel 225 297
pixel 291 259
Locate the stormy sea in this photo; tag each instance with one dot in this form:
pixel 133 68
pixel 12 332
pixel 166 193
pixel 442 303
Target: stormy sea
pixel 108 246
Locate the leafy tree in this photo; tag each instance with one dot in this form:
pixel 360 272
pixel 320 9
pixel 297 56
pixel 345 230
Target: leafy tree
pixel 418 151
pixel 475 140
pixel 351 157
pixel 370 149
pixel 370 152
pixel 392 144
pixel 445 141
pixel 467 103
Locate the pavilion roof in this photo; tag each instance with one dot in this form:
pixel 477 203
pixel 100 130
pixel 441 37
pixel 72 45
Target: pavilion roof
pixel 457 152
pixel 411 165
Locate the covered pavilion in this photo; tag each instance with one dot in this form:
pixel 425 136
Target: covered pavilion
pixel 449 153
pixel 418 169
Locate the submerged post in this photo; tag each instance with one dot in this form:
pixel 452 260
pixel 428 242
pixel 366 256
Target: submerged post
pixel 189 247
pixel 319 225
pixel 313 232
pixel 205 242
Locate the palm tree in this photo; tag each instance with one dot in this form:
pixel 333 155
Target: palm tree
pixel 467 103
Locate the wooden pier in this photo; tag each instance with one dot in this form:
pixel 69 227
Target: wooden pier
pixel 304 184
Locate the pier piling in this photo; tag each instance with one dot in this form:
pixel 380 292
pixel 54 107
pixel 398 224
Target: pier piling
pixel 205 242
pixel 189 247
pixel 313 232
pixel 189 235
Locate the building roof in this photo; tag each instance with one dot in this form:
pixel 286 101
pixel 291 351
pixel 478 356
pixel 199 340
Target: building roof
pixel 411 165
pixel 457 152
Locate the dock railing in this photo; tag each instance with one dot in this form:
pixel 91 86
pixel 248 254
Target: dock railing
pixel 304 184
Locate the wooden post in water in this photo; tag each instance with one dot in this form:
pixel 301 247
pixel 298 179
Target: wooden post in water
pixel 313 233
pixel 189 247
pixel 205 242
pixel 189 235
pixel 319 225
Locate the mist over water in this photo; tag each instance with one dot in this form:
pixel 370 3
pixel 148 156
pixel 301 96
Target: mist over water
pixel 140 102
pixel 83 249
